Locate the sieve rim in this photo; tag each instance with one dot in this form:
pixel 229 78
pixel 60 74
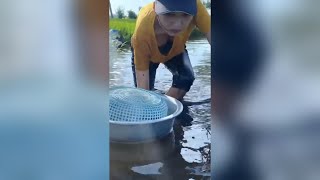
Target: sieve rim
pixel 173 115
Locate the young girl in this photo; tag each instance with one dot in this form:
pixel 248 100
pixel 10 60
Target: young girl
pixel 162 30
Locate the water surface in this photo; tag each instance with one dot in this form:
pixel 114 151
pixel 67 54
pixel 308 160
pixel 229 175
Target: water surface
pixel 185 153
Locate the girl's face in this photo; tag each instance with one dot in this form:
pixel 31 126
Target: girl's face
pixel 174 23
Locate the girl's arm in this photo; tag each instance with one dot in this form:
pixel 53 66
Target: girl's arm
pixel 142 78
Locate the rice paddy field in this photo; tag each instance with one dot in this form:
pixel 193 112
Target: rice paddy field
pixel 126 28
pixel 186 152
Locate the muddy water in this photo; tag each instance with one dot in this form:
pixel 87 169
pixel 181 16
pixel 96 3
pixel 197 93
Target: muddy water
pixel 185 153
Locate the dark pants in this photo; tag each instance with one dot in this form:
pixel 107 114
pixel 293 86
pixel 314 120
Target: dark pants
pixel 179 66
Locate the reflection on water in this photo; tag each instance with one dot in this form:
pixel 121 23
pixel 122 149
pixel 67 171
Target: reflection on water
pixel 185 153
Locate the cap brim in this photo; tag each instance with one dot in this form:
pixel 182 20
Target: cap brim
pixel 159 8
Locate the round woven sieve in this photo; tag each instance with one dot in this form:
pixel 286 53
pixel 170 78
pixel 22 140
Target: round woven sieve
pixel 136 105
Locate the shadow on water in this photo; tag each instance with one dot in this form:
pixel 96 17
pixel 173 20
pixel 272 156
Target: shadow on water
pixel 185 153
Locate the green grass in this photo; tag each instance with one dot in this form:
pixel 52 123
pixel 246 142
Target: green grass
pixel 126 28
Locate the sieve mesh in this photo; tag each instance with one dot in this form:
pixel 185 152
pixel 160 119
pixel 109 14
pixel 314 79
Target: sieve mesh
pixel 135 105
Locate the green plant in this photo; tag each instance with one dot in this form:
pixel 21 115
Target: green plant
pixel 124 26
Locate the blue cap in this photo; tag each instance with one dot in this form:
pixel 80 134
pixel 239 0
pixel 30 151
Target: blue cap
pixel 168 6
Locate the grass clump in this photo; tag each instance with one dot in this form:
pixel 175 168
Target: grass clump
pixel 124 26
